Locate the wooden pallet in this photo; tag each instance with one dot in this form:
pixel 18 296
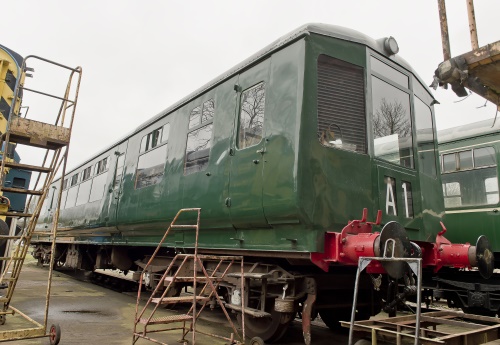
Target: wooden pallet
pixel 440 327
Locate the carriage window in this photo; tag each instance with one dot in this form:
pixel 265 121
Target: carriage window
pixel 474 166
pixel 74 180
pixel 198 147
pixel 86 174
pixel 389 72
pixel 156 137
pixel 449 163
pixel 465 160
pixel 484 157
pixel 65 184
pixel 151 140
pixel 151 164
pixel 208 111
pixel 83 192
pixel 101 166
pixel 341 105
pixel 165 133
pixel 251 116
pixel 425 138
pixel 452 194
pixel 491 188
pixel 391 118
pixel 199 137
pixel 150 167
pixel 194 117
pixel 392 127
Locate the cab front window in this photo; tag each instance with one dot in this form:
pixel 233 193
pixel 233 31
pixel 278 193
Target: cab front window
pixel 391 116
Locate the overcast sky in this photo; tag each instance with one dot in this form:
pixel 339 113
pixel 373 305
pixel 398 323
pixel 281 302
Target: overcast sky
pixel 139 57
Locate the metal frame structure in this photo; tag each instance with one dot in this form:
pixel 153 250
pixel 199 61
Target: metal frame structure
pixel 438 327
pixel 441 327
pixel 54 138
pixel 171 275
pixel 415 265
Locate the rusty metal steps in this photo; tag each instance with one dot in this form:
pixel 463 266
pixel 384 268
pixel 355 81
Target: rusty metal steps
pixel 191 279
pixel 27 167
pixel 21 191
pixel 181 299
pixel 15 214
pixel 249 275
pixel 249 311
pixel 184 226
pixel 3 258
pixel 11 237
pixel 163 320
pixel 38 134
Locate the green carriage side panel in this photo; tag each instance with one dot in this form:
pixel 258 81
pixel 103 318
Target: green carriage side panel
pixel 335 185
pixel 471 212
pixel 248 169
pixel 285 104
pixel 283 192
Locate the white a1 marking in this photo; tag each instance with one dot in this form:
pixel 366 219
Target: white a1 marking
pixel 390 201
pixel 406 199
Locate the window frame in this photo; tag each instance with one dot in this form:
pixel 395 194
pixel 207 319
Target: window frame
pixel 201 124
pixel 456 154
pixel 160 141
pixel 465 202
pixel 405 89
pixel 254 86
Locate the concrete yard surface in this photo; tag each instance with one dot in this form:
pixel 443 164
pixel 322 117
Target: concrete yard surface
pixel 91 314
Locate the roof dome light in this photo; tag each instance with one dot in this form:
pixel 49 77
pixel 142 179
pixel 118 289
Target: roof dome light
pixel 391 46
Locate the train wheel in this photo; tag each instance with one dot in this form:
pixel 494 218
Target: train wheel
pixel 332 317
pixel 268 329
pixel 55 334
pixel 256 341
pixel 363 342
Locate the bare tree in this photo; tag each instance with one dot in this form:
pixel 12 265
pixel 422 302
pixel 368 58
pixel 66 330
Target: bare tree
pixel 391 118
pixel 253 108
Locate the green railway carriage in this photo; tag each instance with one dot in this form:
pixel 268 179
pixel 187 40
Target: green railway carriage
pixel 469 172
pixel 468 158
pixel 280 153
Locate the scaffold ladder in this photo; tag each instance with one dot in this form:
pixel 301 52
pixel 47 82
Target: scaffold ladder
pixel 55 139
pixel 171 276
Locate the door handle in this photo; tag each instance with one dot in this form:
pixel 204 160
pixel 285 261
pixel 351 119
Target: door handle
pixel 256 161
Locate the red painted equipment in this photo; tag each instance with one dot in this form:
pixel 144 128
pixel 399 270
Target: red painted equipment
pixel 357 239
pixel 444 253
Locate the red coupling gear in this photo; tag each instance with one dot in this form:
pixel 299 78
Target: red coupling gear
pixel 444 253
pixel 355 240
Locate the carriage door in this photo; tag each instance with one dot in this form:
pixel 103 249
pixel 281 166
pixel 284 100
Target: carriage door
pixel 247 149
pixel 116 185
pixel 52 203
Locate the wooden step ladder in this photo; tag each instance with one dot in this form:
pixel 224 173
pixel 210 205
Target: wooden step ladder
pixel 55 138
pixel 203 296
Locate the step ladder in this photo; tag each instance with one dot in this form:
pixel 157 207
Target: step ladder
pixel 203 294
pixel 55 138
